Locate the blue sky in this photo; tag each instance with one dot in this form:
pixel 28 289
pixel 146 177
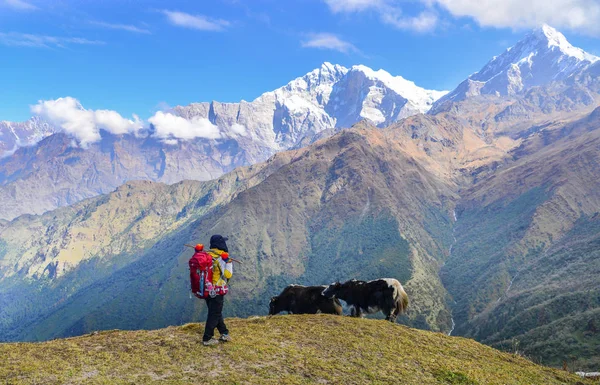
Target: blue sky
pixel 140 56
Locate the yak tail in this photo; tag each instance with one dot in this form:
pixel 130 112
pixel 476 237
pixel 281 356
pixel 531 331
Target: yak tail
pixel 337 306
pixel 401 302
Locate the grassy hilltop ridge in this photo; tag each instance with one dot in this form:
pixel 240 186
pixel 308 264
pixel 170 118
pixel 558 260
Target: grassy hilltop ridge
pixel 277 350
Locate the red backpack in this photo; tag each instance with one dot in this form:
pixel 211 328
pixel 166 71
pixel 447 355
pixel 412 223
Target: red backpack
pixel 201 276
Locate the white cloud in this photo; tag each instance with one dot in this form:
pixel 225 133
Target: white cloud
pixel 424 22
pixel 170 142
pixel 19 5
pixel 123 27
pixel 199 22
pixel 168 127
pixel 84 125
pixel 328 41
pixel 42 41
pixel 390 13
pixel 239 129
pixel 577 15
pixel 581 15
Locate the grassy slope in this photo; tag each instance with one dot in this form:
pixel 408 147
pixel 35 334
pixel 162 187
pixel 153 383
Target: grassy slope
pixel 282 349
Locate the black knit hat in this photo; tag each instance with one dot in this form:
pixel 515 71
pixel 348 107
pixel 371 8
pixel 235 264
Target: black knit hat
pixel 218 242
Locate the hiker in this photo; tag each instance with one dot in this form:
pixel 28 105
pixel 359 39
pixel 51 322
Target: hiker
pixel 210 272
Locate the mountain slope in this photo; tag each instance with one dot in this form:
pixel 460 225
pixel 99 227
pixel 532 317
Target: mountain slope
pixel 527 233
pixel 281 349
pixel 54 174
pixel 44 260
pixel 354 205
pixel 542 57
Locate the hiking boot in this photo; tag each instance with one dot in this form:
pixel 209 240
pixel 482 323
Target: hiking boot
pixel 210 342
pixel 225 338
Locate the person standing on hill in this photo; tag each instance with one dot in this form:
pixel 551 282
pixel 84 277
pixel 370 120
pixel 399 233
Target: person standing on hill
pixel 222 273
pixel 210 272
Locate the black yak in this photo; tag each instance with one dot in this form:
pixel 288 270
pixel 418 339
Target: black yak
pixel 296 299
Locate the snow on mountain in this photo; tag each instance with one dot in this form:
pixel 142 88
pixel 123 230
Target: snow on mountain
pixel 377 96
pixel 421 98
pixel 14 135
pixel 331 96
pixel 543 56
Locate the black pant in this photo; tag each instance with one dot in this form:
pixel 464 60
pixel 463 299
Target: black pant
pixel 214 318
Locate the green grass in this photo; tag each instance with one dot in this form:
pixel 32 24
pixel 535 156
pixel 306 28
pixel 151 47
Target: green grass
pixel 278 350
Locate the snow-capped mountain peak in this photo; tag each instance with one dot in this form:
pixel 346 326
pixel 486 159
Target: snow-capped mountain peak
pixel 330 96
pixel 546 38
pixel 554 38
pixel 326 75
pixel 420 97
pixel 541 57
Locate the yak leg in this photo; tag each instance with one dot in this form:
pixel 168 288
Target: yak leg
pixel 390 314
pixel 356 312
pixel 338 309
pixel 396 311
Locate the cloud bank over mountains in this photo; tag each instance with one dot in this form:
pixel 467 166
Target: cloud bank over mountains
pixel 69 116
pixel 84 125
